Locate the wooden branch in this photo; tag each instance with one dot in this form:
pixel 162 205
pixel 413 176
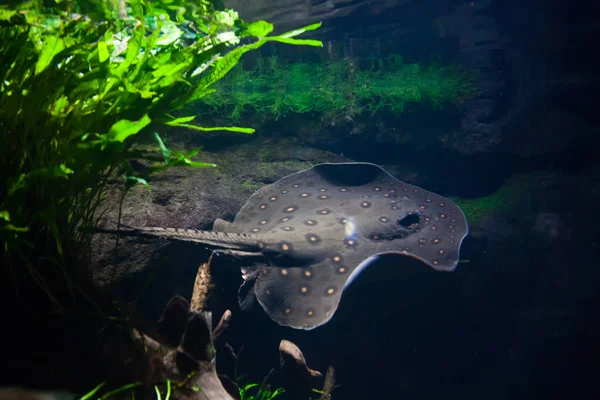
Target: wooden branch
pixel 299 380
pixel 185 353
pixel 202 286
pixel 173 320
pixel 329 384
pixel 222 325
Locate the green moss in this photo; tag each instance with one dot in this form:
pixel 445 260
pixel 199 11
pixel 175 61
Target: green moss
pixel 251 185
pixel 509 196
pixel 273 88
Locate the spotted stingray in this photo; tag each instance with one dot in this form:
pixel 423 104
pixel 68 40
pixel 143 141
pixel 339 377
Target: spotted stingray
pixel 316 229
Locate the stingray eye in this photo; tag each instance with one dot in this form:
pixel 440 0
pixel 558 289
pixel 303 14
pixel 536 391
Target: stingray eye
pixel 410 220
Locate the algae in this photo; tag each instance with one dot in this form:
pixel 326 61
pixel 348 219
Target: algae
pixel 274 87
pixel 514 193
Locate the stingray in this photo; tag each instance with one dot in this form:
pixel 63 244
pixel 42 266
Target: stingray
pixel 316 229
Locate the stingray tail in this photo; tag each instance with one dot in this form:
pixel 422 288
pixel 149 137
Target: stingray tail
pixel 221 240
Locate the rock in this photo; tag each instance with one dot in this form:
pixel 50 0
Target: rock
pixel 191 198
pixel 539 223
pixel 478 40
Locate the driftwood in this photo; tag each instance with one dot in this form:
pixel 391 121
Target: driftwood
pixel 184 353
pixel 202 286
pixel 299 380
pixel 329 384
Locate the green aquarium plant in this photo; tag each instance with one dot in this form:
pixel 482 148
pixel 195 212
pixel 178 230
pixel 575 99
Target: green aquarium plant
pixel 258 391
pixel 82 82
pixel 254 391
pixel 129 389
pixel 165 391
pixel 274 87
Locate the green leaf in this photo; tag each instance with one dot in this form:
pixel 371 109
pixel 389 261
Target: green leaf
pixel 91 393
pixel 181 161
pixel 193 152
pixel 168 395
pixel 66 171
pixel 202 26
pixel 137 179
pixel 61 171
pixel 124 128
pixel 12 228
pixel 60 106
pixel 220 69
pixel 259 28
pixel 184 161
pixel 52 46
pixel 133 50
pixel 178 121
pixel 123 388
pixel 196 164
pixel 168 70
pixel 5 215
pixel 287 37
pixel 144 93
pixel 300 31
pixel 250 386
pixel 217 128
pixel 5 15
pixel 167 74
pixel 166 153
pixel 103 53
pixel 297 42
pixel 172 34
pixel 137 9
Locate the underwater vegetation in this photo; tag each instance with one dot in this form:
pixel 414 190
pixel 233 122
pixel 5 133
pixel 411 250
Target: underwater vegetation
pixel 249 391
pixel 274 87
pixel 255 391
pixel 82 82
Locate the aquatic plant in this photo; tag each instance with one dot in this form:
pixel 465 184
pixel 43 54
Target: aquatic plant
pixel 82 81
pixel 263 392
pixel 274 87
pixel 130 387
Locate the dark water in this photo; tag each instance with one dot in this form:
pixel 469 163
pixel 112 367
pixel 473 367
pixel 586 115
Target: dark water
pixel 519 317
